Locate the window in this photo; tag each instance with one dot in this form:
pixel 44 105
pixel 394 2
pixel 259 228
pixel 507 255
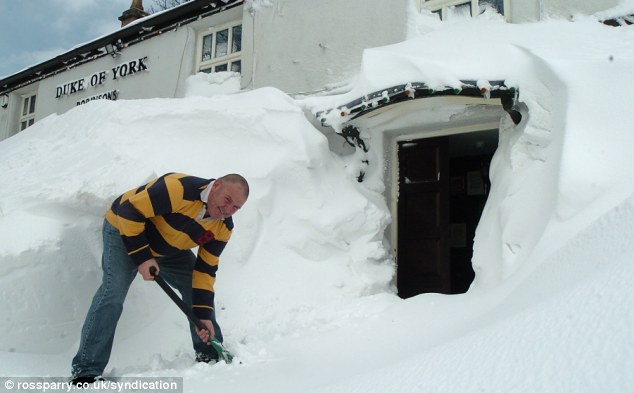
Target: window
pixel 27 116
pixel 220 49
pixel 460 10
pixel 448 9
pixel 496 4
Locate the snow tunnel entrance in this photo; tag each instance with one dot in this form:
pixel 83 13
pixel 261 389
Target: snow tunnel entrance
pixel 443 184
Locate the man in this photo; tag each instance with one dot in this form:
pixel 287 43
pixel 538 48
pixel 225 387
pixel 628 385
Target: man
pixel 157 225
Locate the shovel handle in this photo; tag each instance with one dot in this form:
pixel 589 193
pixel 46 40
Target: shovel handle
pixel 217 345
pixel 179 302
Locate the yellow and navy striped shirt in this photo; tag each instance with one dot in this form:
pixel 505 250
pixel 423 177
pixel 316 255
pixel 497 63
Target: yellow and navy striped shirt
pixel 162 217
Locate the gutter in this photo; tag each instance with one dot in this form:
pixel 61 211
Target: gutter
pixel 417 90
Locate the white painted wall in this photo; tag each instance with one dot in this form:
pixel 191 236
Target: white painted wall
pixel 520 11
pixel 168 58
pixel 304 45
pixel 8 116
pixel 566 8
pixel 534 10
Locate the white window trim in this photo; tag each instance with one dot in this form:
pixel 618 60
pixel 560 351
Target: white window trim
pixel 215 61
pixel 443 5
pixel 29 117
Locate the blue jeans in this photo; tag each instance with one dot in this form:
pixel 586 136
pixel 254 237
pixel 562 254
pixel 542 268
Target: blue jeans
pixel 97 335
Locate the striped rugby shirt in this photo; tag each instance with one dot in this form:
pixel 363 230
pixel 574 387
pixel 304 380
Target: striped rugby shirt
pixel 165 216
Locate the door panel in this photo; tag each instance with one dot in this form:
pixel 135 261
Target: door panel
pixel 422 211
pixel 423 217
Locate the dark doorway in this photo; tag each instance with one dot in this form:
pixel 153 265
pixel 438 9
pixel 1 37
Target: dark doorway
pixel 443 186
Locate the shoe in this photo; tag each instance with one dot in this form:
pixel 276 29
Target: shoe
pixel 202 357
pixel 86 379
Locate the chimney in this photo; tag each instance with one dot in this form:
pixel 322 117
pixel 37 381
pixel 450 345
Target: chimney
pixel 135 12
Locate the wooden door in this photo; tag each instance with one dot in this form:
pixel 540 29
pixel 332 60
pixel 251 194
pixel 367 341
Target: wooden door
pixel 423 217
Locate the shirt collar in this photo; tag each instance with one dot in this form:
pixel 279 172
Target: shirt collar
pixel 204 196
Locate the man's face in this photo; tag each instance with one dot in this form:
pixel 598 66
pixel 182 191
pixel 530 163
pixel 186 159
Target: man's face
pixel 225 198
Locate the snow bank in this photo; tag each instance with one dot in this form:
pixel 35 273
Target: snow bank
pixel 307 240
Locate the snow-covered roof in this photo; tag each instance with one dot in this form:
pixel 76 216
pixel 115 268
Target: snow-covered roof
pixel 415 90
pixel 620 15
pixel 620 20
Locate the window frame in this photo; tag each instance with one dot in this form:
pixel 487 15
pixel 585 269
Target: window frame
pixel 216 63
pixel 27 110
pixel 442 7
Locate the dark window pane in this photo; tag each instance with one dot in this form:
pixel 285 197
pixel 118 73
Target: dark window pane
pixel 236 44
pixel 221 67
pixel 206 70
pixel 236 66
pixel 222 38
pixel 206 55
pixel 32 107
pixel 25 107
pixel 23 125
pixel 460 10
pixel 497 4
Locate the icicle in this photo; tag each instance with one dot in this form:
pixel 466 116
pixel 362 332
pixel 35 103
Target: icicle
pixel 410 91
pixel 485 88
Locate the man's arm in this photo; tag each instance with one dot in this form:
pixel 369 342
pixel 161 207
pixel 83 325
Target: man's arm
pixel 156 198
pixel 204 278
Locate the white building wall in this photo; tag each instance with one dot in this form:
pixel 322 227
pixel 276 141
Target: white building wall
pixel 167 59
pixel 9 116
pixel 521 11
pixel 534 10
pixel 567 8
pixel 303 45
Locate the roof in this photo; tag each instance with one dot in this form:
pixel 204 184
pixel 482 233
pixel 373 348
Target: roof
pixel 131 34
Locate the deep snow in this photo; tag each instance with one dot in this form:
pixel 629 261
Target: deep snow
pixel 305 288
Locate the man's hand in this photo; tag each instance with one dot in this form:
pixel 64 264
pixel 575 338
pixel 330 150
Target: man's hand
pixel 144 269
pixel 206 334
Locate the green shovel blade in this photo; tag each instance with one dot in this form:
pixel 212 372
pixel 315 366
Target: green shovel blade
pixel 223 354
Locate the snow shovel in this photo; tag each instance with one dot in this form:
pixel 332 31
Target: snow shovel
pixel 220 349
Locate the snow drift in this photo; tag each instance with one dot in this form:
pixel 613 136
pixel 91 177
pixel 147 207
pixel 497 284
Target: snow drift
pixel 305 218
